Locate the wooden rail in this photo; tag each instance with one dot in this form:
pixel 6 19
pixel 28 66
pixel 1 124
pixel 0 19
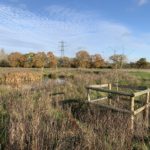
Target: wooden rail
pixel 141 92
pixel 110 91
pixel 107 88
pixel 100 99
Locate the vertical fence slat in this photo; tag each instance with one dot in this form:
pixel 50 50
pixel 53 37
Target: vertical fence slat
pixel 109 99
pixel 132 115
pixel 146 117
pixel 88 95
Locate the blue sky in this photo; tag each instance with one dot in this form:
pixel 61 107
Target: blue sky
pixel 99 26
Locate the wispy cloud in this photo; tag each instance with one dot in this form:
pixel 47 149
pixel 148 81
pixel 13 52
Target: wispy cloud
pixel 142 2
pixel 68 14
pixel 23 30
pixel 45 31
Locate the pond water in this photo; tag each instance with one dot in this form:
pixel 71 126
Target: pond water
pixel 57 81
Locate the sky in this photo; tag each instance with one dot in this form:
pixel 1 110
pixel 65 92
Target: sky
pixel 98 26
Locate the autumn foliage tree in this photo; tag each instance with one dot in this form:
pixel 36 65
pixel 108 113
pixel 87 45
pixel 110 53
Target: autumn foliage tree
pixel 64 62
pixel 83 59
pixel 29 60
pixel 39 60
pixel 16 59
pixel 97 61
pixel 51 60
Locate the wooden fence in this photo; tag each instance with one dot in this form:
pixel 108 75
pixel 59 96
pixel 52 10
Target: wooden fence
pixel 107 88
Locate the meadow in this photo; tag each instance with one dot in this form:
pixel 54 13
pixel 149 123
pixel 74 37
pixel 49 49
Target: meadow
pixel 48 109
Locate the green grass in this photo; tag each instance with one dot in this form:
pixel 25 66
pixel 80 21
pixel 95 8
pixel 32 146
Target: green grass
pixel 141 74
pixel 143 77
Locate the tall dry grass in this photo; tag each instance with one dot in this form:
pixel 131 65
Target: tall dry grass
pixel 29 120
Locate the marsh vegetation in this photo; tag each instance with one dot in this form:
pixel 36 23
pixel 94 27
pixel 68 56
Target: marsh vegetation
pixel 32 117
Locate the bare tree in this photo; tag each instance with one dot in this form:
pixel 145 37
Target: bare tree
pixel 3 58
pixel 118 60
pixel 3 55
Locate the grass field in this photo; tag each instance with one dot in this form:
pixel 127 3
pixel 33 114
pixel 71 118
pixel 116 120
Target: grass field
pixel 32 118
pixel 143 76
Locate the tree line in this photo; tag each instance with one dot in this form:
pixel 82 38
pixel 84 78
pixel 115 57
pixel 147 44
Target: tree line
pixel 49 60
pixel 82 60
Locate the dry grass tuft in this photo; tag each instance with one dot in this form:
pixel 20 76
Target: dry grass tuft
pixel 18 78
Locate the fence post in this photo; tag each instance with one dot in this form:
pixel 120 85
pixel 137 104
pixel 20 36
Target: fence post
pixel 88 95
pixel 146 116
pixel 109 99
pixel 132 113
